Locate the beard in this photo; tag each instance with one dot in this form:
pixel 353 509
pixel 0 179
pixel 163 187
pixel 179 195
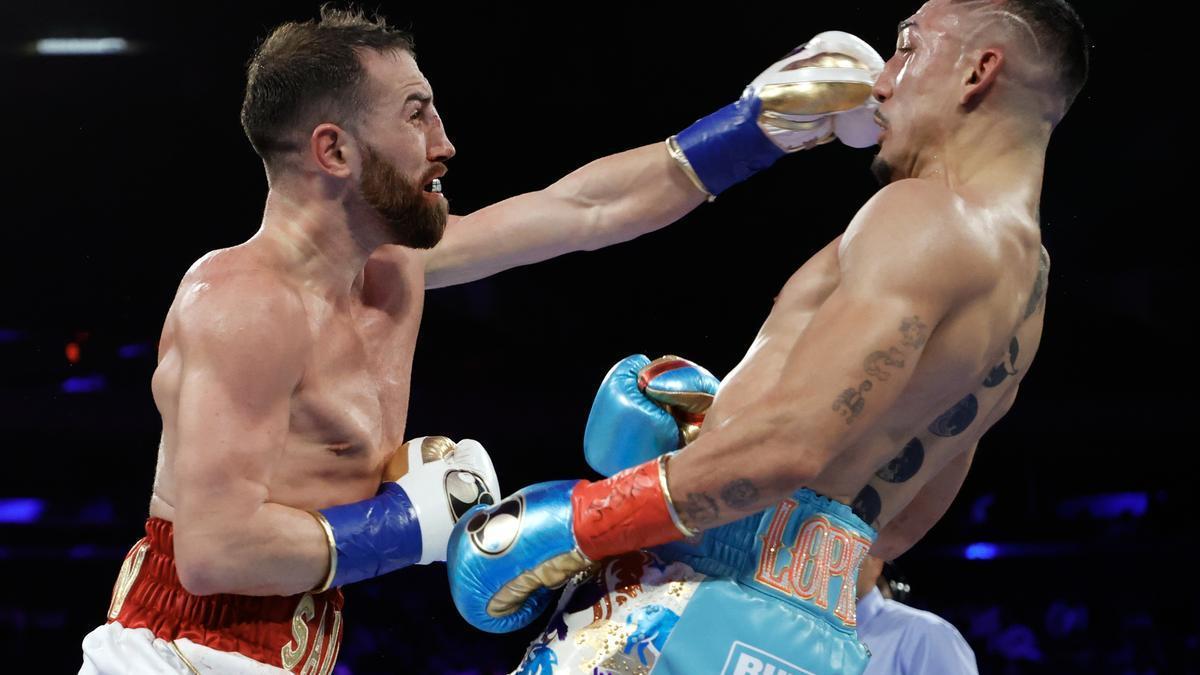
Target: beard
pixel 884 172
pixel 412 219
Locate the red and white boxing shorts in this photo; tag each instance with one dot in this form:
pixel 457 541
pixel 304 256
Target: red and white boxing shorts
pixel 156 626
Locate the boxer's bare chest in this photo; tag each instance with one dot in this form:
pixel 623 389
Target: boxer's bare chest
pixel 353 397
pixel 797 302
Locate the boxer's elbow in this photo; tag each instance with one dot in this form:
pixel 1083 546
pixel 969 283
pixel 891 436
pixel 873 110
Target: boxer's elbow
pixel 798 456
pixel 201 565
pixel 800 465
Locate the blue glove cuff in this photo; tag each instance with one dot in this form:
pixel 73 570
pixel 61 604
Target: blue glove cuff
pixel 727 147
pixel 374 536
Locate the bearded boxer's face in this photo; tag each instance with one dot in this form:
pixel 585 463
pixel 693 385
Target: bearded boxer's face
pixel 918 90
pixel 403 150
pixel 415 217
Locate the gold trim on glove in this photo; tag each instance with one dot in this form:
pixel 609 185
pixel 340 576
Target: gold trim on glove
pixel 689 432
pixel 686 166
pixel 329 540
pixel 434 448
pixel 814 98
pixel 662 481
pixel 551 574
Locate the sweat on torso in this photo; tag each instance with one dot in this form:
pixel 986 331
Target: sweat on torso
pixel 348 412
pixel 965 382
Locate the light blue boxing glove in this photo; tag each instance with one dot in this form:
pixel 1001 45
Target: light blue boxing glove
pixel 432 482
pixel 645 409
pixel 504 560
pixel 820 91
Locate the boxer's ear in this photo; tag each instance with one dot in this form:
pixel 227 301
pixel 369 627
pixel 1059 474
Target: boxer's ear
pixel 982 74
pixel 332 149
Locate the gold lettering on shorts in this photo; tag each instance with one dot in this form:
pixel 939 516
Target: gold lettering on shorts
pixel 130 568
pixel 335 643
pixel 292 651
pixel 313 664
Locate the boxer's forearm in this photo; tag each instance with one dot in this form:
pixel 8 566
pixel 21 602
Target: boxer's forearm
pixel 622 196
pixel 277 550
pixel 741 467
pixel 610 200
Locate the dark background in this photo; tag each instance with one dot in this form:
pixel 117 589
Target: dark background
pixel 119 171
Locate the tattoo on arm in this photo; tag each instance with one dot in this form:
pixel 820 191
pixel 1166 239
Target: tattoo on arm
pixel 913 334
pixel 877 361
pixel 698 509
pixel 739 494
pixel 851 402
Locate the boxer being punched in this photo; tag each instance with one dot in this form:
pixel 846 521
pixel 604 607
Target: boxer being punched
pixel 284 363
pixel 852 419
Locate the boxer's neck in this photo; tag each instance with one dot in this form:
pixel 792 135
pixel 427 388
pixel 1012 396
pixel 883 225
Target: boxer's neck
pixel 992 159
pixel 325 242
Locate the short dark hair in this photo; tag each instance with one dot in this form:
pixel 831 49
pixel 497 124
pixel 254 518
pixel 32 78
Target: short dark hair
pixel 1064 40
pixel 301 65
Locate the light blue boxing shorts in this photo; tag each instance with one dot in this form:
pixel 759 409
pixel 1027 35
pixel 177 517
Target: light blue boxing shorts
pixel 772 594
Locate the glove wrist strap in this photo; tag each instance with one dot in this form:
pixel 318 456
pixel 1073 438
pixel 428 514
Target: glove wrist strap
pixel 686 166
pixel 327 530
pixel 372 537
pixel 686 531
pixel 624 513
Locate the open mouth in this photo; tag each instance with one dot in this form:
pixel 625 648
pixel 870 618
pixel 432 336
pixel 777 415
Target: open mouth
pixel 434 186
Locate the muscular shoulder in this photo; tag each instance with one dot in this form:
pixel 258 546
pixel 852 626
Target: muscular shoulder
pixel 919 236
pixel 230 300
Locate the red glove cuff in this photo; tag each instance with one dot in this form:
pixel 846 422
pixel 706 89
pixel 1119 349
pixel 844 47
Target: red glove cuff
pixel 623 513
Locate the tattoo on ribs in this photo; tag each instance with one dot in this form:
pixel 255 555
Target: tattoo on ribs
pixel 1002 372
pixel 1039 285
pixel 867 505
pixel 698 509
pixel 956 420
pixel 904 465
pixel 739 494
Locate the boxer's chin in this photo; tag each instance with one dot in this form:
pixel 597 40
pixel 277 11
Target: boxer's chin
pixel 414 217
pixel 883 170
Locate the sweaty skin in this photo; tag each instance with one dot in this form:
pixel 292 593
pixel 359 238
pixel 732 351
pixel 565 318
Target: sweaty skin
pixel 891 351
pixel 285 361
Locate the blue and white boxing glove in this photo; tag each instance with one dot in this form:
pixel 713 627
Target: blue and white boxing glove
pixel 819 91
pixel 645 409
pixel 410 519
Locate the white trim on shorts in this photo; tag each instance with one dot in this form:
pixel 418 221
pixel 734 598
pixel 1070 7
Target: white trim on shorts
pixel 116 650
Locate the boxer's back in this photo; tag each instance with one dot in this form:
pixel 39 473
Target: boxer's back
pixel 347 412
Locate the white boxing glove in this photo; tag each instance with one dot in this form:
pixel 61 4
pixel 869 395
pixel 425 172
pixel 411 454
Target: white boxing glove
pixel 821 89
pixel 444 480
